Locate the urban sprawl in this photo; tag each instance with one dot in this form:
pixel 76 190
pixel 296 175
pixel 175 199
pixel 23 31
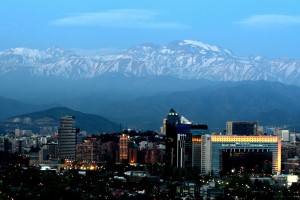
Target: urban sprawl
pixel 183 161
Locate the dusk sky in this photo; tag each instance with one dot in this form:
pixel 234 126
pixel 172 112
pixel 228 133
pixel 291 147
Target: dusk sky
pixel 247 27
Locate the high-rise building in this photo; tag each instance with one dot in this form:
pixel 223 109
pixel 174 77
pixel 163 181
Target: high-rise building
pixel 184 144
pixel 171 137
pixel 241 128
pixel 292 137
pixel 67 137
pixel 283 134
pixel 132 152
pixel 181 149
pixel 123 147
pixel 197 130
pixel 88 151
pixel 163 127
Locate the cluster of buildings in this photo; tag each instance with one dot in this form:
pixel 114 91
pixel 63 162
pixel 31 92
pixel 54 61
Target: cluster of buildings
pixel 191 145
pixel 182 144
pixel 70 145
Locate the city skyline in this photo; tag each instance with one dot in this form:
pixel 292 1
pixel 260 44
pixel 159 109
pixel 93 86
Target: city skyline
pixel 85 87
pixel 133 162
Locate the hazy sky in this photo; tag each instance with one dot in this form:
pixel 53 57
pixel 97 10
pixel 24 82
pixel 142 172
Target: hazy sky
pixel 247 27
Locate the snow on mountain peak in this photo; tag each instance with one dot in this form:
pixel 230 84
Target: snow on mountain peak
pixel 26 52
pixel 187 59
pixel 200 44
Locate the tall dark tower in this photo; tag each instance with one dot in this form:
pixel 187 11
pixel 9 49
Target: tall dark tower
pixel 171 137
pixel 67 137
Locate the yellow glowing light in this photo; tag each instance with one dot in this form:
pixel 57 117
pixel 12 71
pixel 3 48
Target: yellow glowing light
pixel 279 157
pixel 292 178
pixel 250 139
pixel 196 139
pixel 253 139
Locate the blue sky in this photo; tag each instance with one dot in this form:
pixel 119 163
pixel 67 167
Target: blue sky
pixel 247 27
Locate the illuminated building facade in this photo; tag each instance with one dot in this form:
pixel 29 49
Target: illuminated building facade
pixel 123 147
pixel 214 147
pixel 163 127
pixel 88 151
pixel 67 138
pixel 241 128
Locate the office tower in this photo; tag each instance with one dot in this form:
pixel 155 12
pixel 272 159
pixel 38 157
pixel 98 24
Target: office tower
pixel 88 151
pixel 179 140
pixel 241 128
pixel 67 137
pixel 171 137
pixel 132 152
pixel 221 154
pixel 163 127
pixel 283 134
pixel 197 130
pixel 182 150
pixel 292 137
pixel 184 143
pixel 123 147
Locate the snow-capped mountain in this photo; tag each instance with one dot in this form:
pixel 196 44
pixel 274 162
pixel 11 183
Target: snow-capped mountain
pixel 186 59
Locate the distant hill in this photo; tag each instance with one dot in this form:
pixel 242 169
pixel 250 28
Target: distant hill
pixel 10 107
pixel 48 120
pixel 213 103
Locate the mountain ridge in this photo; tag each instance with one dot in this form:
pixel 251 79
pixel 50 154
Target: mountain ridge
pixel 10 107
pixel 185 59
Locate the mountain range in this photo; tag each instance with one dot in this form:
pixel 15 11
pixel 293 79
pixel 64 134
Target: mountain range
pixel 136 88
pixel 185 59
